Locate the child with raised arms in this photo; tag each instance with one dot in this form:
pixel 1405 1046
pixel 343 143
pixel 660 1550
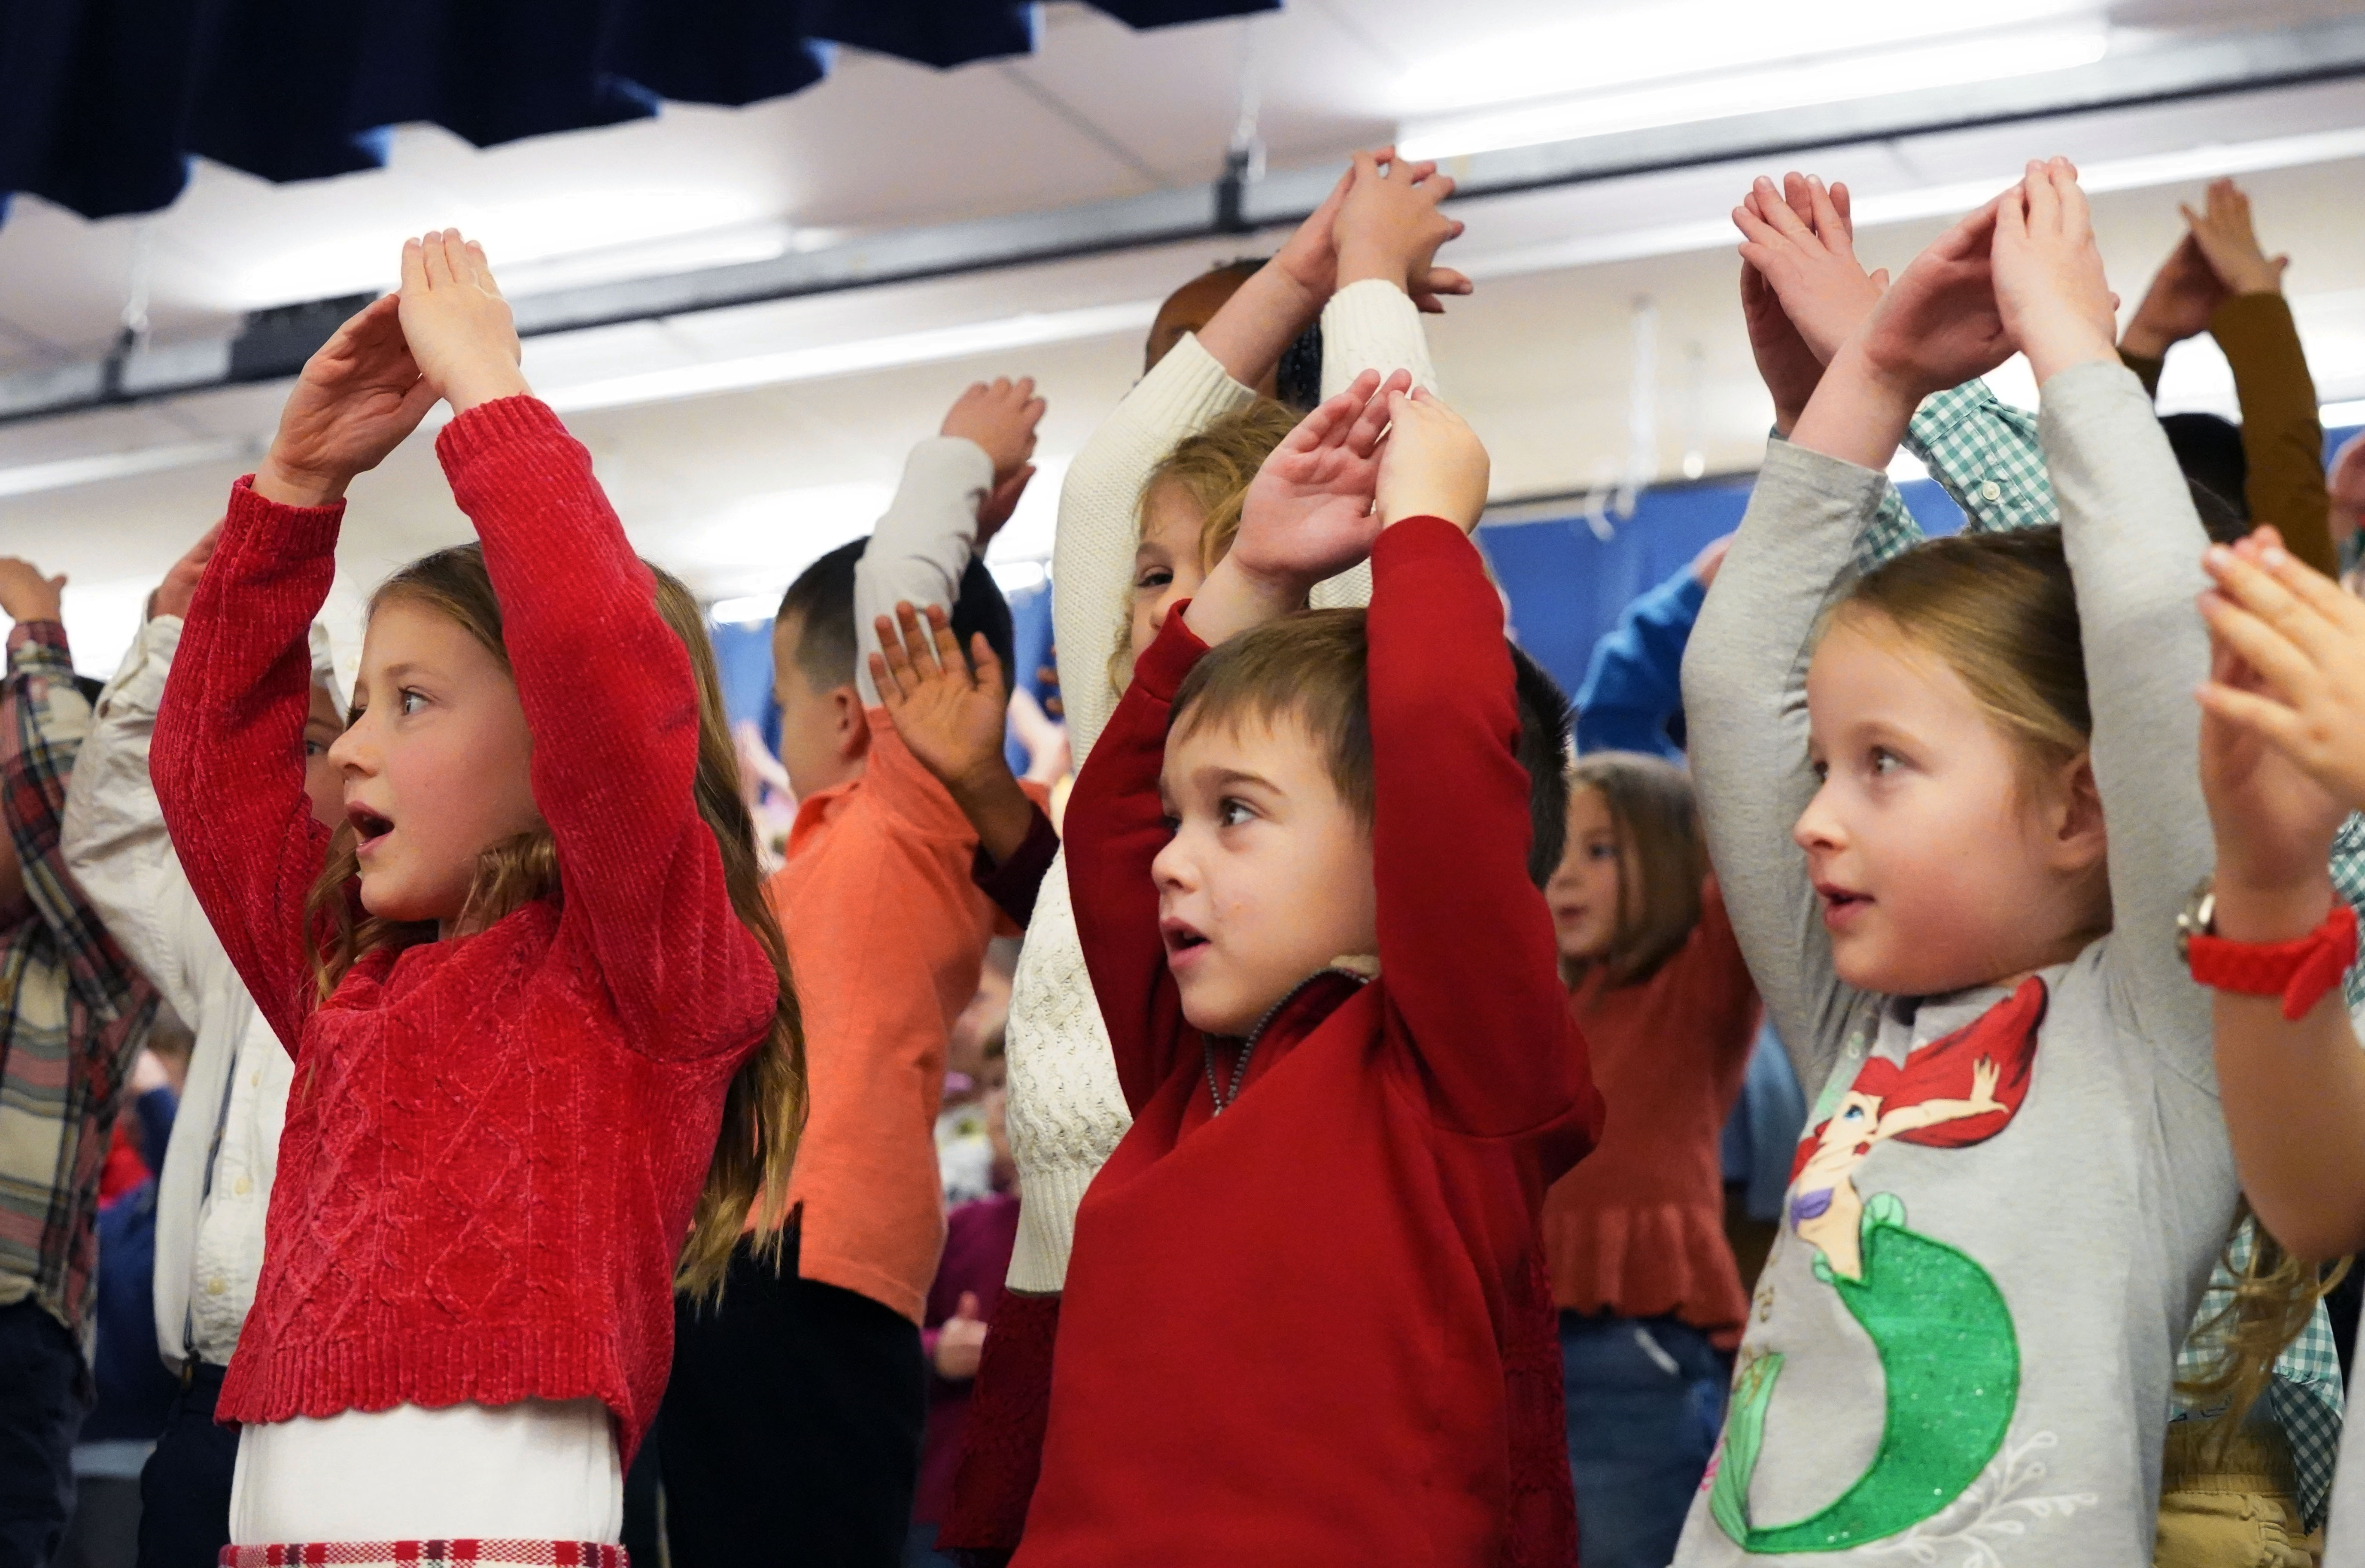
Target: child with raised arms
pixel 1306 863
pixel 534 995
pixel 1944 803
pixel 2282 759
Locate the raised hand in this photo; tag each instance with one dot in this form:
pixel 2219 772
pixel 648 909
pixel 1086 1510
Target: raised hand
pixel 25 595
pixel 1433 463
pixel 1801 242
pixel 949 712
pixel 1939 325
pixel 960 1343
pixel 1785 362
pixel 459 327
pixel 949 709
pixel 1306 515
pixel 358 397
pixel 2057 304
pixel 179 589
pixel 2294 680
pixel 1389 227
pixel 2223 233
pixel 2183 294
pixel 1000 418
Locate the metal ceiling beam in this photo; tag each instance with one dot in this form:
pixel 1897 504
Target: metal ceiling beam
pixel 274 343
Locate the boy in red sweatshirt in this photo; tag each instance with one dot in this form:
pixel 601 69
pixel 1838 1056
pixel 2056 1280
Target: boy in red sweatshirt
pixel 1304 864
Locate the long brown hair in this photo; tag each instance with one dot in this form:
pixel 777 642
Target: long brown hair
pixel 764 1109
pixel 1656 821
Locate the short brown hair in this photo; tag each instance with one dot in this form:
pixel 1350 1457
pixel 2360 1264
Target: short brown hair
pixel 1656 819
pixel 1313 667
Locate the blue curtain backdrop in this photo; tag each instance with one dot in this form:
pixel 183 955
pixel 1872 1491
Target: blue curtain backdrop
pixel 1566 587
pixel 102 102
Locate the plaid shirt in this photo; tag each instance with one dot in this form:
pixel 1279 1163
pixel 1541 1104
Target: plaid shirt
pixel 2303 1399
pixel 1987 455
pixel 74 1012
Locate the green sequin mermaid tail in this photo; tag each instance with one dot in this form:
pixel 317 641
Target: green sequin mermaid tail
pixel 1951 1363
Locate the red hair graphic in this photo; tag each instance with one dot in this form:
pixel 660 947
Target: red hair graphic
pixel 2004 1034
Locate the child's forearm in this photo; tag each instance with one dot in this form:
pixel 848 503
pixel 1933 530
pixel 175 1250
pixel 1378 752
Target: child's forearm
pixel 996 807
pixel 2294 1097
pixel 1857 415
pixel 1263 317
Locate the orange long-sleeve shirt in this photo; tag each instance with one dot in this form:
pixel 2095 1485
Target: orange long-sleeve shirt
pixel 886 935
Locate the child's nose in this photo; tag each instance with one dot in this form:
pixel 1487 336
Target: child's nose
pixel 1165 603
pixel 1817 826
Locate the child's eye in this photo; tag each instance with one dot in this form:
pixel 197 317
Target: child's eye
pixel 1232 814
pixel 1822 769
pixel 314 747
pixel 1884 761
pixel 411 701
pixel 1173 825
pixel 1153 578
pixel 1601 852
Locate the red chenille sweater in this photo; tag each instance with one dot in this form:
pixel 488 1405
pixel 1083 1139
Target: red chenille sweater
pixel 1286 1332
pixel 496 1141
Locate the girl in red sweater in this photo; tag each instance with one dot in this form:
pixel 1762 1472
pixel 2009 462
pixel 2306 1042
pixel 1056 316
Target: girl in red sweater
pixel 1648 1291
pixel 527 984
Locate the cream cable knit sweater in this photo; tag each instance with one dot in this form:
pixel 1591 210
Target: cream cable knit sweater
pixel 1066 1110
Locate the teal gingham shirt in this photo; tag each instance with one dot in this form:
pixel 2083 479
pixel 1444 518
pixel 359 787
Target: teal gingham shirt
pixel 1985 452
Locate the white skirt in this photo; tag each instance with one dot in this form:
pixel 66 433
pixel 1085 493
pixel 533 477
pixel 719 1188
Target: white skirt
pixel 539 1470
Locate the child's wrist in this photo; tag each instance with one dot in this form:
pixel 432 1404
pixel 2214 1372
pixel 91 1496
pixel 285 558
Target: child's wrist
pixel 289 484
pixel 2254 909
pixel 2065 342
pixel 1362 262
pixel 471 386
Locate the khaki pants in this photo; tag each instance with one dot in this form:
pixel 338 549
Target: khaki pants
pixel 2239 1512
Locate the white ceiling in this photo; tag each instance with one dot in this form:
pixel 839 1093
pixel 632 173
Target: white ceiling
pixel 738 487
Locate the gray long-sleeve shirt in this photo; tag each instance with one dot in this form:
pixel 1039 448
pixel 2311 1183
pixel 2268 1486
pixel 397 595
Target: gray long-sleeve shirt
pixel 1997 1378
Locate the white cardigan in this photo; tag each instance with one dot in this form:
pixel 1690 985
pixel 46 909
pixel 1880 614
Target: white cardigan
pixel 216 1185
pixel 1065 1109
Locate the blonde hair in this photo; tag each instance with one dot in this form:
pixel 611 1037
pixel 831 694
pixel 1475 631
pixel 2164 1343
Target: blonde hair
pixel 2000 610
pixel 1656 821
pixel 1213 468
pixel 763 1108
pixel 2273 1296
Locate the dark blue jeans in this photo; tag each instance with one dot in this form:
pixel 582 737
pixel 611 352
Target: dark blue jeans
pixel 44 1394
pixel 184 1488
pixel 1646 1401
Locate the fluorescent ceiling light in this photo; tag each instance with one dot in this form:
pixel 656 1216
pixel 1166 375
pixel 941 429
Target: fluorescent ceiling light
pixel 1668 39
pixel 34 478
pixel 1018 576
pixel 1030 329
pixel 534 230
pixel 1874 208
pixel 747 609
pixel 1787 86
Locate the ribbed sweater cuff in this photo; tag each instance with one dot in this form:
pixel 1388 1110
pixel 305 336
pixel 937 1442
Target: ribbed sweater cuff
pixel 1373 321
pixel 488 425
pixel 1047 1226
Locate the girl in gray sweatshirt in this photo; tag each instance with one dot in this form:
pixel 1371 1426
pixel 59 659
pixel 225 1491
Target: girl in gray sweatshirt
pixel 1953 807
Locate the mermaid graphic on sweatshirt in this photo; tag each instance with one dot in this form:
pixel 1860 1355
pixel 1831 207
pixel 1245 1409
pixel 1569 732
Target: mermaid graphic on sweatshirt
pixel 1949 1355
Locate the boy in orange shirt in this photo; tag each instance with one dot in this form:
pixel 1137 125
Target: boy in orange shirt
pixel 794 1416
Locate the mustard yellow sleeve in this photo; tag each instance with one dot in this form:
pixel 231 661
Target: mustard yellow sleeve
pixel 2281 440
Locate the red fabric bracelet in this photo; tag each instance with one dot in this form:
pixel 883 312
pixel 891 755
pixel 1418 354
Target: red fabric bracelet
pixel 2299 972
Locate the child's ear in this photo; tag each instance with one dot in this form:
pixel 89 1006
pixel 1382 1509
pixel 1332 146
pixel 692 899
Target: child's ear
pixel 852 723
pixel 2076 818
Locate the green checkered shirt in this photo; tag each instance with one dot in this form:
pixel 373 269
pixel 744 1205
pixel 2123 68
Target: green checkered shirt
pixel 1987 455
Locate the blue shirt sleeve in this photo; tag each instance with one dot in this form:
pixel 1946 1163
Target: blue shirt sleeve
pixel 1634 682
